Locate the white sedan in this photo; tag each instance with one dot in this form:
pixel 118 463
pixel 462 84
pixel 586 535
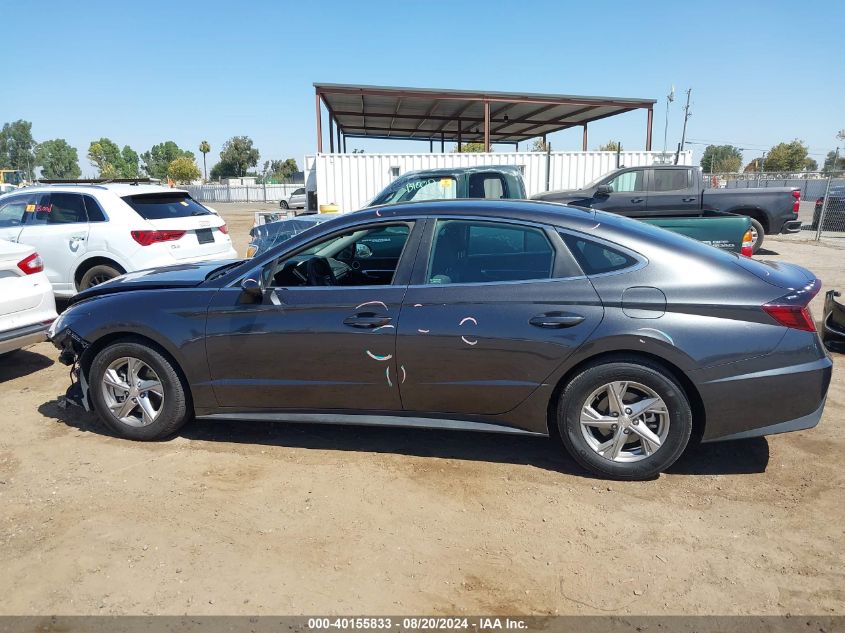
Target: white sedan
pixel 27 306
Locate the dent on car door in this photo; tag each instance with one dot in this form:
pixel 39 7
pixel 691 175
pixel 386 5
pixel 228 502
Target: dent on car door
pixel 319 338
pixel 492 311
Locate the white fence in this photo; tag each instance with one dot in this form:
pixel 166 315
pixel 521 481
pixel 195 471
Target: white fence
pixel 351 180
pixel 226 193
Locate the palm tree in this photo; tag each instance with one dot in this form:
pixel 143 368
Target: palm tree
pixel 205 148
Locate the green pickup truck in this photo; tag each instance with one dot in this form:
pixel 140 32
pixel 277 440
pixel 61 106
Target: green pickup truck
pixel 722 230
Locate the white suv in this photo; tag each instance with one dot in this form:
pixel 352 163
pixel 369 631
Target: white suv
pixel 88 234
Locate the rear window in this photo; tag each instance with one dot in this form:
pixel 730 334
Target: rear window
pixel 162 206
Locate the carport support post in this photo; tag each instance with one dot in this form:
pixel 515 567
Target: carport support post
pixel 826 197
pixel 486 126
pixel 319 126
pixel 649 123
pixel 338 138
pixel 584 139
pixel 331 134
pixel 442 143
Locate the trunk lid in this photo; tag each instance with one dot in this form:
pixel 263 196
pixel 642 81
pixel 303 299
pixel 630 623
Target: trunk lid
pixel 778 273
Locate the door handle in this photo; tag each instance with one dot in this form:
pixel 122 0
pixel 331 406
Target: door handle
pixel 635 200
pixel 556 320
pixel 689 199
pixel 366 320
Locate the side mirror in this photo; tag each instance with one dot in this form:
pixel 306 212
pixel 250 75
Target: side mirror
pixel 604 190
pixel 252 289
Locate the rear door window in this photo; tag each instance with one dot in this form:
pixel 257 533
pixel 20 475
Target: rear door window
pixel 468 251
pixel 670 180
pixel 488 185
pixel 163 206
pixel 59 208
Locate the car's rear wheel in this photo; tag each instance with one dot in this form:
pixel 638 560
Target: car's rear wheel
pixel 284 204
pixel 96 275
pixel 625 420
pixel 137 392
pixel 758 234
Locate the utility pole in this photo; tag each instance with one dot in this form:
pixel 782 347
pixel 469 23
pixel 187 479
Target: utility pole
pixel 687 115
pixel 669 99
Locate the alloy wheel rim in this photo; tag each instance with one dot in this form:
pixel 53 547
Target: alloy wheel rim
pixel 624 421
pixel 133 391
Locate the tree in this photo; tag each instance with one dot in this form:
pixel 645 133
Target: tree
pixel 811 164
pixel 786 157
pixel 829 166
pixel 105 156
pixel 157 160
pixel 539 145
pixel 470 147
pixel 610 146
pixel 281 170
pixel 721 158
pixel 111 161
pixel 753 166
pixel 183 170
pixel 57 159
pixel 236 157
pixel 205 148
pixel 129 166
pixel 17 147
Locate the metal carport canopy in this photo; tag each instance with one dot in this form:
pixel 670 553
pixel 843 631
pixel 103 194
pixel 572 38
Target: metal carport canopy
pixel 384 112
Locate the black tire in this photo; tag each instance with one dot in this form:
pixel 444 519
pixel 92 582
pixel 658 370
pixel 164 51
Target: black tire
pixel 284 204
pixel 760 235
pixel 176 410
pixel 640 371
pixel 97 275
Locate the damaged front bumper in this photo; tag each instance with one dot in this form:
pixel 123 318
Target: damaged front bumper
pixel 833 323
pixel 71 348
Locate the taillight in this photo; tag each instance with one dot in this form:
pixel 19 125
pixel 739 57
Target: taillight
pixel 796 203
pixel 792 310
pixel 145 238
pixel 224 229
pixel 32 264
pixel 747 249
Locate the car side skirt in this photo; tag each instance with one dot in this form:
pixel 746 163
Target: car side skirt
pixel 371 419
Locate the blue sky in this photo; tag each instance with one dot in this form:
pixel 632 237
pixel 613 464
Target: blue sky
pixel 141 73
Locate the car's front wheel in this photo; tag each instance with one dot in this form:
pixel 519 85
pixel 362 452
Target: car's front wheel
pixel 758 234
pixel 624 419
pixel 137 391
pixel 284 204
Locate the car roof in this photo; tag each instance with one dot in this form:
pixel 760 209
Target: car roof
pixel 118 188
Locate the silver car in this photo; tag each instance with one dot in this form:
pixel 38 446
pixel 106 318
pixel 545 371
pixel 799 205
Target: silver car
pixel 296 200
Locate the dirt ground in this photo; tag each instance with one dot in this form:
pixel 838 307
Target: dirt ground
pixel 243 518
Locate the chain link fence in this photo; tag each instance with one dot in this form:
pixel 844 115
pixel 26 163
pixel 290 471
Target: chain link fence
pixel 822 194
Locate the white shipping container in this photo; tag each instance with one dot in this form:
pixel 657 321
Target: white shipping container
pixel 352 180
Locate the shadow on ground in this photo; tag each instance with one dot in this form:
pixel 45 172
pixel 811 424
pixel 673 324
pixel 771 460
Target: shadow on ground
pixel 740 457
pixel 22 363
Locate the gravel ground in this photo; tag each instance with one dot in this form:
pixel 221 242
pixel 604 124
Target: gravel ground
pixel 241 518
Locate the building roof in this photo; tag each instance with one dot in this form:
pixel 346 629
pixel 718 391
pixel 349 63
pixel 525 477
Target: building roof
pixel 429 114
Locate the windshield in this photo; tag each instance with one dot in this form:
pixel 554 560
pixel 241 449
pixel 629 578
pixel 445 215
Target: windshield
pixel 12 177
pixel 418 187
pixel 162 206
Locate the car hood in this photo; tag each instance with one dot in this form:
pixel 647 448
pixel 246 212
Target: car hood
pixel 178 276
pixel 564 194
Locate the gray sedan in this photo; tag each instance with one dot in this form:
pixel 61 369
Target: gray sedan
pixel 620 338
